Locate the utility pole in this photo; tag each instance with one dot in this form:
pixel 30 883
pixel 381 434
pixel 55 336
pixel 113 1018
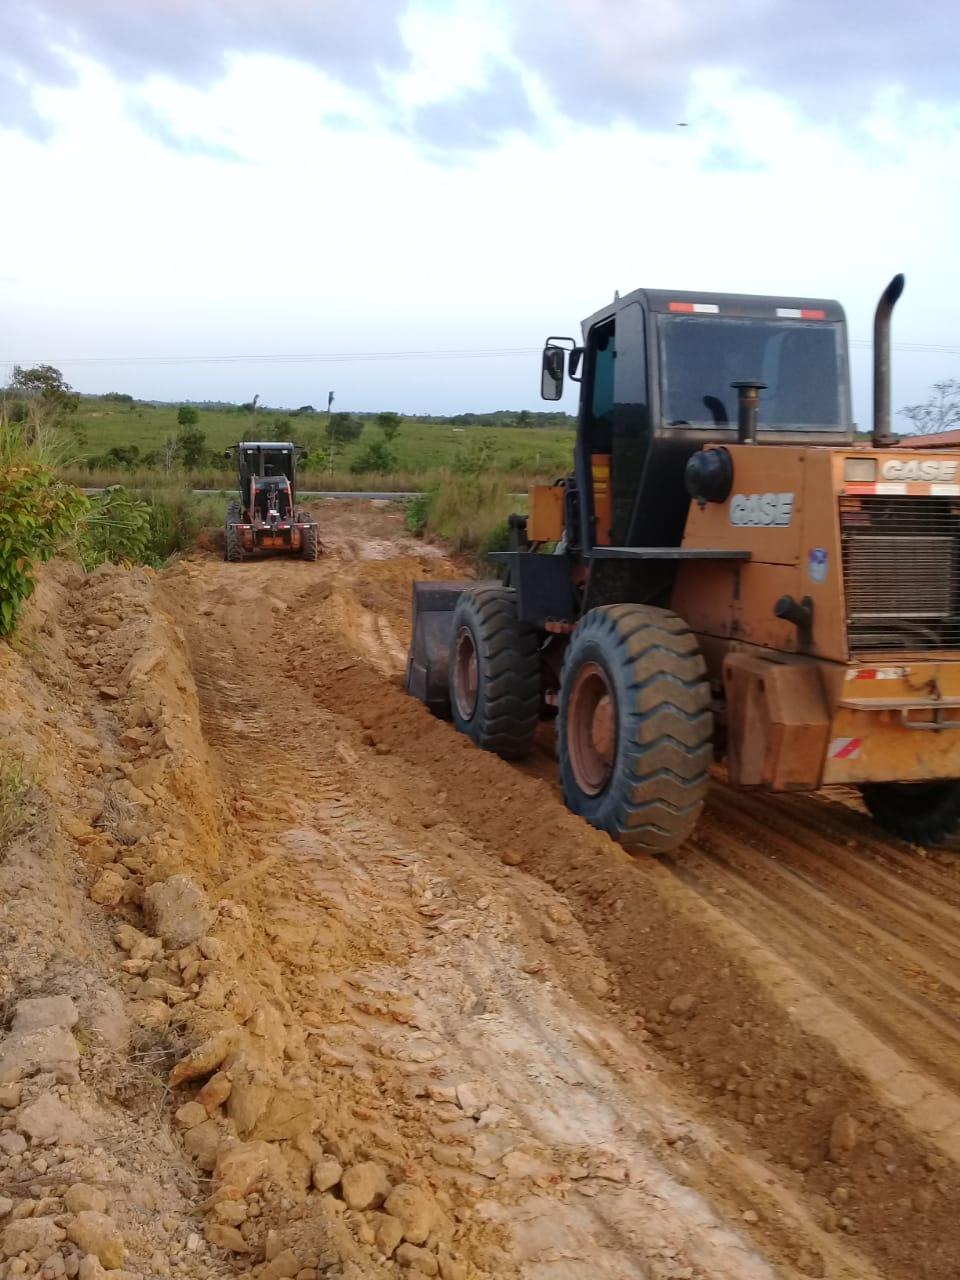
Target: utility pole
pixel 330 440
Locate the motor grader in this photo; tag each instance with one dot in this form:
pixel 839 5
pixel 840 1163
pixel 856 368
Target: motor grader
pixel 726 573
pixel 266 517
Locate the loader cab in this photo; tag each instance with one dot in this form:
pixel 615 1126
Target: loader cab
pixel 657 368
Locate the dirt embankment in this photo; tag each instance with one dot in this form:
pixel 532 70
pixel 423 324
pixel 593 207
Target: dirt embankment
pixel 354 999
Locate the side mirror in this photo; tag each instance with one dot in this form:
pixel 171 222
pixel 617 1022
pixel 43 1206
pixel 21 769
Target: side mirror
pixel 551 373
pixel 228 453
pixel 573 368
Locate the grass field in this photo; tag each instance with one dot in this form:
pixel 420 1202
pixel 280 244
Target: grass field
pixel 419 447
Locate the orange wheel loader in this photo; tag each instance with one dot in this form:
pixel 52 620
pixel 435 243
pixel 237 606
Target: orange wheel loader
pixel 726 572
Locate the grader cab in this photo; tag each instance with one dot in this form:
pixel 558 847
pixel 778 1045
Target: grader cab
pixel 726 572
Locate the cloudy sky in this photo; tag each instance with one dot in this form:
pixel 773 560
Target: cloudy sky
pixel 243 179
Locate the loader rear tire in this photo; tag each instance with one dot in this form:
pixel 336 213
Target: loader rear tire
pixel 925 813
pixel 494 672
pixel 309 543
pixel 635 730
pixel 234 548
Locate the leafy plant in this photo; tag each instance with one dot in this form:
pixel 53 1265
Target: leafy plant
pixel 415 516
pixel 187 416
pixel 117 529
pixel 37 512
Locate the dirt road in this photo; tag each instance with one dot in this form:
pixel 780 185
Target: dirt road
pixel 741 1061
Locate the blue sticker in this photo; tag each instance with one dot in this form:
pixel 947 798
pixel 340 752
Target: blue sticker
pixel 817 564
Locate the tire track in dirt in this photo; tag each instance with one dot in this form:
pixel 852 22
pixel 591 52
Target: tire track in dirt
pixel 329 853
pixel 797 905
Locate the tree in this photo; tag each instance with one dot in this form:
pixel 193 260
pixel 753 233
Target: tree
pixel 191 447
pixel 389 424
pixel 251 405
pixel 939 413
pixel 343 427
pixel 46 383
pixel 43 401
pixel 187 416
pixel 168 453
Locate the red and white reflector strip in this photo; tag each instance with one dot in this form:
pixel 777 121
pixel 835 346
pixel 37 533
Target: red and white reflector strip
pixel 876 673
pixel 801 313
pixel 844 748
pixel 915 488
pixel 698 308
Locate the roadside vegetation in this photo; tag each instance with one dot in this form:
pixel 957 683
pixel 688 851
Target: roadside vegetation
pixel 138 444
pixel 140 507
pixel 18 800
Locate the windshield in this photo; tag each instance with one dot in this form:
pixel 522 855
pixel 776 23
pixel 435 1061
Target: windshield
pixel 800 363
pixel 276 462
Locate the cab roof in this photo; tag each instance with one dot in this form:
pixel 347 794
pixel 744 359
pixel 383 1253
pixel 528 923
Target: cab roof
pixel 266 444
pixel 743 305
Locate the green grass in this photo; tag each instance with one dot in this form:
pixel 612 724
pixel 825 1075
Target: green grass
pixel 419 447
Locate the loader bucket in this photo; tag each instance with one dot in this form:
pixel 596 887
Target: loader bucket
pixel 426 679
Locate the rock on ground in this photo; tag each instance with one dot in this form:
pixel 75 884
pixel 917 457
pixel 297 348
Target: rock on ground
pixel 177 911
pixel 98 1234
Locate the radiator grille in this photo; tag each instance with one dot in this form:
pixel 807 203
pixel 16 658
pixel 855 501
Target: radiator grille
pixel 900 569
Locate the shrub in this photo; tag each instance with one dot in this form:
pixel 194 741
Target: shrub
pixel 343 427
pixel 468 510
pixel 191 446
pixel 37 512
pixel 474 457
pixel 377 456
pixel 415 516
pixel 116 529
pixel 187 416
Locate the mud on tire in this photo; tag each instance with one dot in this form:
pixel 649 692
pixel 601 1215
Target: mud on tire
pixel 635 730
pixel 494 672
pixel 926 813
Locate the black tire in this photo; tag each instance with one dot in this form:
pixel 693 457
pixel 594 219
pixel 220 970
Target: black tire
pixel 233 512
pixel 926 813
pixel 309 543
pixel 635 765
pixel 501 711
pixel 234 544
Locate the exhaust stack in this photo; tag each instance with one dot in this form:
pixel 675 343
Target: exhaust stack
pixel 882 433
pixel 748 401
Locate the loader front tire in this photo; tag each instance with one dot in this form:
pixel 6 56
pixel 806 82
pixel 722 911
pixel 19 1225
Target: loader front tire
pixel 309 543
pixel 635 730
pixel 925 813
pixel 494 672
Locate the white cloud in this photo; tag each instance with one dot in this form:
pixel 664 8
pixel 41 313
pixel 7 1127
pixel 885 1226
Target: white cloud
pixel 337 231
